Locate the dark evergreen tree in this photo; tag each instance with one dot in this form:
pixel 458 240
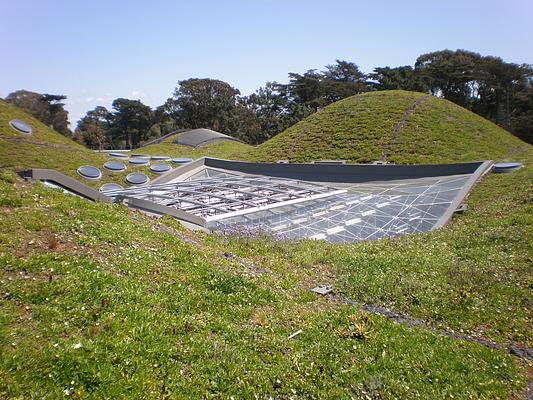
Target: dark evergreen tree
pixel 130 123
pixel 206 103
pixel 93 129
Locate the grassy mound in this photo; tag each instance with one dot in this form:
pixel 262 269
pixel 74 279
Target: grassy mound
pixel 229 150
pixel 44 148
pixel 408 127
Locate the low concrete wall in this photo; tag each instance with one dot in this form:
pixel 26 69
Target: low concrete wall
pixel 68 183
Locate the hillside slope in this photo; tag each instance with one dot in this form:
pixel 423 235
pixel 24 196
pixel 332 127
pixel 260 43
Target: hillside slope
pixel 398 126
pixel 44 148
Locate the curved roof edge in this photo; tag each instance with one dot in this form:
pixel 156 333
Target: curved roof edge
pixel 194 137
pixel 201 137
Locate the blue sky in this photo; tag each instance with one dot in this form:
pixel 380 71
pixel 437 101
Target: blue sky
pixel 96 51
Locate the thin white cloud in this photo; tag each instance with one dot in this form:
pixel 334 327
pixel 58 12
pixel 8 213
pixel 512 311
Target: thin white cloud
pixel 137 94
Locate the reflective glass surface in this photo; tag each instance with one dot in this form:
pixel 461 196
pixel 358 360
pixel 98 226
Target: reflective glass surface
pixel 160 168
pixel 139 161
pixel 20 126
pixel 89 172
pixel 137 178
pixel 114 166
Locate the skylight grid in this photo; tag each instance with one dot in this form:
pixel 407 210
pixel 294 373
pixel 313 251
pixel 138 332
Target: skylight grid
pixel 365 212
pixel 227 194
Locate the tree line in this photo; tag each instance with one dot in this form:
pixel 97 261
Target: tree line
pixel 499 91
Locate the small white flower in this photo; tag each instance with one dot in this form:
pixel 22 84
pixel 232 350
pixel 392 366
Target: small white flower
pixel 78 346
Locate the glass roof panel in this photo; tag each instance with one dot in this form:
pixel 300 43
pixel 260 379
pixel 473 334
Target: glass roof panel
pixel 293 209
pixel 89 172
pixel 160 168
pixel 374 213
pixel 136 178
pixel 20 126
pixel 139 161
pixel 114 166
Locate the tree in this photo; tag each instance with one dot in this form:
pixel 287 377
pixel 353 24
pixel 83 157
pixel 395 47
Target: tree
pixel 319 89
pixel 404 78
pixel 47 108
pixel 305 89
pixel 166 116
pixel 206 103
pixel 522 117
pixel 272 109
pixel 93 130
pixel 499 87
pixel 344 71
pixel 341 80
pixel 484 84
pixel 450 74
pixel 131 122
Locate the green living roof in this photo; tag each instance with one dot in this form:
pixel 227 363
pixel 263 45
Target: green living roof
pixel 398 126
pixel 102 302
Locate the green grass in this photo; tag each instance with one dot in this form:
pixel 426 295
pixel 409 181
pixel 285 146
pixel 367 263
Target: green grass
pixel 229 150
pixel 440 131
pixel 46 148
pixel 358 128
pixel 101 302
pixel 473 276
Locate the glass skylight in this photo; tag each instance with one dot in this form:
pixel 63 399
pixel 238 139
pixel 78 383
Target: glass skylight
pixel 20 126
pixel 89 172
pixel 294 209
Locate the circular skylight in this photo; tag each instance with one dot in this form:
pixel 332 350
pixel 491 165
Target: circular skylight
pixel 141 155
pixel 506 167
pixel 137 178
pixel 89 172
pixel 160 168
pixel 108 187
pixel 118 155
pixel 139 161
pixel 160 158
pixel 20 126
pixel 181 160
pixel 114 166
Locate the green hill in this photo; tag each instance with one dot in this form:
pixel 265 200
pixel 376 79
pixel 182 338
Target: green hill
pixel 399 126
pixel 44 148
